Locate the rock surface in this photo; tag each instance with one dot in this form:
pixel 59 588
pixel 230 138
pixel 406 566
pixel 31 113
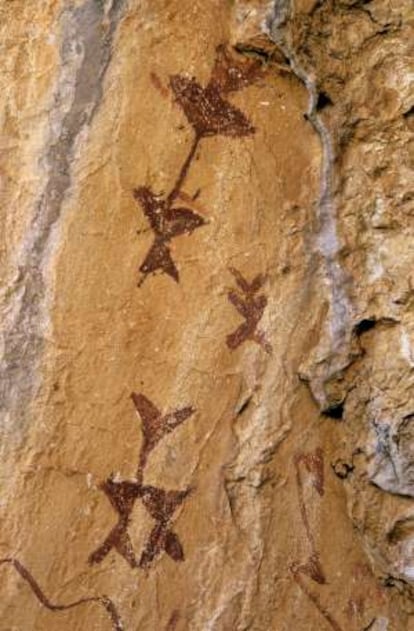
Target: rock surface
pixel 207 315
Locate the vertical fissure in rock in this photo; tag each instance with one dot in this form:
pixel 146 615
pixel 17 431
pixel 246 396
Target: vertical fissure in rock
pixel 85 52
pixel 327 235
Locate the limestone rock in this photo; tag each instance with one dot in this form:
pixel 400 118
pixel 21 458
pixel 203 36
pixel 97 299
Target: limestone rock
pixel 207 323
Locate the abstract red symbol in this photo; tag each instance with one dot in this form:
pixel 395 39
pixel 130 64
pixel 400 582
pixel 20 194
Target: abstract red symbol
pixel 210 114
pixel 251 307
pixel 162 505
pixel 166 223
pixel 159 503
pixel 155 426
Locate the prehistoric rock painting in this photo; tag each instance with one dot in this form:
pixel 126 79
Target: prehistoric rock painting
pixel 173 621
pixel 104 601
pixel 251 307
pixel 166 223
pixel 155 426
pixel 314 466
pixel 210 114
pixel 159 503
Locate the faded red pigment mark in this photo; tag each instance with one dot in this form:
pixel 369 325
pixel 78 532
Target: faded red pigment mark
pixel 104 601
pixel 173 621
pixel 365 590
pixel 315 600
pixel 159 503
pixel 251 307
pixel 314 465
pixel 209 114
pixel 158 85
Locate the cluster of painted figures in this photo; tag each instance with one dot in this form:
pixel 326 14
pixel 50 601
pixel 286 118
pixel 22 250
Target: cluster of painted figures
pixel 209 113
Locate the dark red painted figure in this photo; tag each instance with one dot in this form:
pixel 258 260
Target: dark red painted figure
pixel 166 223
pixel 251 307
pixel 155 426
pixel 159 503
pixel 210 114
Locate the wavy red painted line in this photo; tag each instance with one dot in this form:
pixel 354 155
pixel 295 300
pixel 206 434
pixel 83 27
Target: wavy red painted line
pixel 104 601
pixel 315 600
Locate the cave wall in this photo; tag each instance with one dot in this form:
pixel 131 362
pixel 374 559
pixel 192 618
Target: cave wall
pixel 206 248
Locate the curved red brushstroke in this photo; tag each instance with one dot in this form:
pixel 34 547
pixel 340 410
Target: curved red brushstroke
pixel 104 601
pixel 314 465
pixel 315 600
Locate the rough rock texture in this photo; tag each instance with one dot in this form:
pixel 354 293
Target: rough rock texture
pixel 207 315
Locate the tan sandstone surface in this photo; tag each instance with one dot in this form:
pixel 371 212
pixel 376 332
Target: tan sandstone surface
pixel 207 315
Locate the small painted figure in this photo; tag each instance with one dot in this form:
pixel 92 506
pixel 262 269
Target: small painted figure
pixel 159 503
pixel 251 307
